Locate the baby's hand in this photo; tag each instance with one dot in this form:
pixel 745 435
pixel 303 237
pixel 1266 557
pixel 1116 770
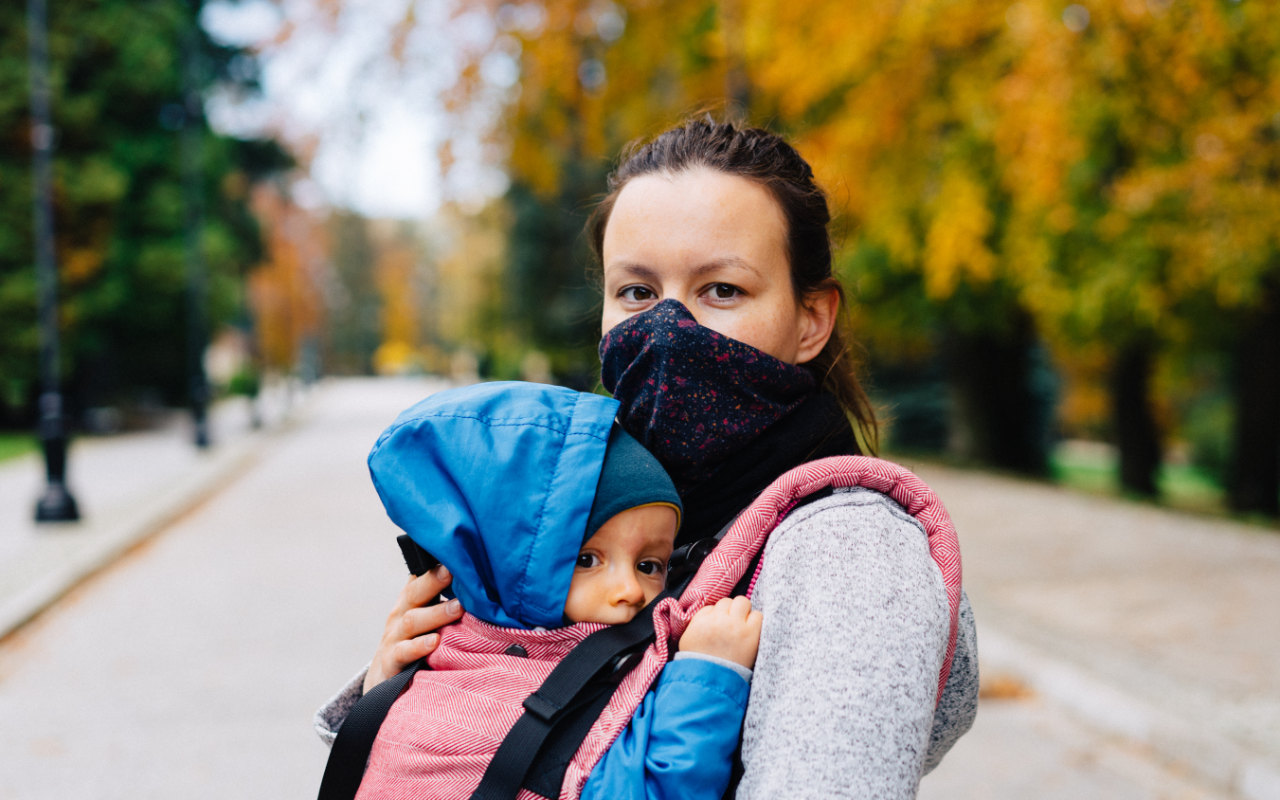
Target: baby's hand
pixel 730 630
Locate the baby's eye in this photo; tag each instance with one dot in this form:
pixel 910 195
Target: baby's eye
pixel 587 560
pixel 636 294
pixel 651 567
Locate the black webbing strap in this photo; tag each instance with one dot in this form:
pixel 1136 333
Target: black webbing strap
pixel 605 653
pixel 350 751
pixel 546 773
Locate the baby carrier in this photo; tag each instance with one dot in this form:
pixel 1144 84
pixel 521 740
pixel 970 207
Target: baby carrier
pixel 551 712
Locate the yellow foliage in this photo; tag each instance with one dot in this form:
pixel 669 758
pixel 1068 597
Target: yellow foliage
pixel 80 263
pixel 395 357
pixel 395 275
pixel 955 246
pixel 1107 160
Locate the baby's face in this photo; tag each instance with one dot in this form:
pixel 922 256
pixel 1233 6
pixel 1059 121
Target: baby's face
pixel 623 566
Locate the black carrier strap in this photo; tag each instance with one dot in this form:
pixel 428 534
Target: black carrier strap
pixel 534 755
pixel 545 775
pixel 581 683
pixel 537 750
pixel 350 751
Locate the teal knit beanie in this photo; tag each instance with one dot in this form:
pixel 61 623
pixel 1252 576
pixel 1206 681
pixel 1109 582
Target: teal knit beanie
pixel 630 477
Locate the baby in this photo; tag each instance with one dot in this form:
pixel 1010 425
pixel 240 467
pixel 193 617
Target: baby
pixel 552 521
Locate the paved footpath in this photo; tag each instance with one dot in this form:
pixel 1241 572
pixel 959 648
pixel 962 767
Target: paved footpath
pixel 1159 628
pixel 1127 652
pixel 191 667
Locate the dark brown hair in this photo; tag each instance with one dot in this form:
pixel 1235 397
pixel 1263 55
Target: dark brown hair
pixel 767 159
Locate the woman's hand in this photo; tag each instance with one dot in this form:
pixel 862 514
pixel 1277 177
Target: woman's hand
pixel 408 635
pixel 730 630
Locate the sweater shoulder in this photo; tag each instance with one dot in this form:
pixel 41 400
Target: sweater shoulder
pixel 851 510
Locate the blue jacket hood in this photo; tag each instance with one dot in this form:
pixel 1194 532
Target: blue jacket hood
pixel 496 480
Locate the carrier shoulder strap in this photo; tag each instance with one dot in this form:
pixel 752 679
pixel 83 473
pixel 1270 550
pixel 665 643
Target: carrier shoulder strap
pixel 545 775
pixel 350 751
pixel 603 657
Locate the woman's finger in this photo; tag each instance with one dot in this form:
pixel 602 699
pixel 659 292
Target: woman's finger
pixel 410 651
pixel 408 635
pixel 423 589
pixel 417 621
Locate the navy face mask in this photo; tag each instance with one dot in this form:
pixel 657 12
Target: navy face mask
pixel 691 396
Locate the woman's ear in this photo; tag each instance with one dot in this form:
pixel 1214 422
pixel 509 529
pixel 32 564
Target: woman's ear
pixel 818 311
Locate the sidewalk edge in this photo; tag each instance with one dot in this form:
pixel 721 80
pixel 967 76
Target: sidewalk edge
pixel 112 537
pixel 1209 755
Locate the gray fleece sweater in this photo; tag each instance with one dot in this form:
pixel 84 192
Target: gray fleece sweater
pixel 855 630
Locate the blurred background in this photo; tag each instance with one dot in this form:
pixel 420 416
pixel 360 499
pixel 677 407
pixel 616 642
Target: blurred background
pixel 1058 222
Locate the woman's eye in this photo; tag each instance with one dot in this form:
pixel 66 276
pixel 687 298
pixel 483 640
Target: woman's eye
pixel 636 294
pixel 651 567
pixel 724 291
pixel 587 560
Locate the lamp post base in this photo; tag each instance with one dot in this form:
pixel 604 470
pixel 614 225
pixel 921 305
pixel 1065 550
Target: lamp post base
pixel 57 505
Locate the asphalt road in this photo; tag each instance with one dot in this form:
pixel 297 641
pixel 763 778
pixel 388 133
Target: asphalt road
pixel 191 668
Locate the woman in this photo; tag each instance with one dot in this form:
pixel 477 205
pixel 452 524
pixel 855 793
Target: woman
pixel 720 341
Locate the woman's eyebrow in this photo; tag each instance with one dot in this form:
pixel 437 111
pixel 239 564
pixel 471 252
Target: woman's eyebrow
pixel 633 270
pixel 731 262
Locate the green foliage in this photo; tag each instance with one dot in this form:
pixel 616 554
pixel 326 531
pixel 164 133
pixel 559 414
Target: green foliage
pixel 117 70
pixel 354 330
pixel 551 300
pixel 245 382
pixel 1208 433
pixel 13 445
pixel 1093 468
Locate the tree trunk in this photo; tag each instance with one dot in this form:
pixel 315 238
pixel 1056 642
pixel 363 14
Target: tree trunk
pixel 999 417
pixel 1136 435
pixel 1253 483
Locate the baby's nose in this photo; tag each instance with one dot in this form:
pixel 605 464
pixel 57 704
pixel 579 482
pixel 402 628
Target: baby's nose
pixel 627 589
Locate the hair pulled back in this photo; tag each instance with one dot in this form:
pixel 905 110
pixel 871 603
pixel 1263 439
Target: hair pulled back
pixel 767 159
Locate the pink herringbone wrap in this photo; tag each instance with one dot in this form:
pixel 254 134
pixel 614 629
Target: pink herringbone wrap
pixel 731 558
pixel 443 731
pixel 441 734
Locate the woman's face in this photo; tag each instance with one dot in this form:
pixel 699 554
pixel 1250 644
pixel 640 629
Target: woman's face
pixel 716 243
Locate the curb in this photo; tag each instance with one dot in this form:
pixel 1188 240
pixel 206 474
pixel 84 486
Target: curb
pixel 69 553
pixel 1208 754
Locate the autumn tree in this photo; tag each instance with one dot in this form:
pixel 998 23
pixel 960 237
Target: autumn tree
pixel 1161 235
pixel 116 83
pixel 286 285
pixel 1090 176
pixel 591 76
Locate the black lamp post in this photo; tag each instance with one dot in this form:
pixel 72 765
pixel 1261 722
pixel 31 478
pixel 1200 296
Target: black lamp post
pixel 193 179
pixel 56 504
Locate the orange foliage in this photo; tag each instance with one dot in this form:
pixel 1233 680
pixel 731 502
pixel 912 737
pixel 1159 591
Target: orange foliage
pixel 396 278
pixel 951 134
pixel 284 290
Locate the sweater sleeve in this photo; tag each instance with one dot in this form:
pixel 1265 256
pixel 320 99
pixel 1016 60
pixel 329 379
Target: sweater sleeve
pixel 856 625
pixel 330 716
pixel 680 741
pixel 959 703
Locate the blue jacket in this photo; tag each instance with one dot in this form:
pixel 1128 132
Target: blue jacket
pixel 496 480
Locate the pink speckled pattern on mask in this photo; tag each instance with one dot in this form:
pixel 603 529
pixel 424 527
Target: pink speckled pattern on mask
pixel 690 395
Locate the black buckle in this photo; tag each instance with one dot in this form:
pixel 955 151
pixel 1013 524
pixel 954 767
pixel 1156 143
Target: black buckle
pixel 686 560
pixel 541 707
